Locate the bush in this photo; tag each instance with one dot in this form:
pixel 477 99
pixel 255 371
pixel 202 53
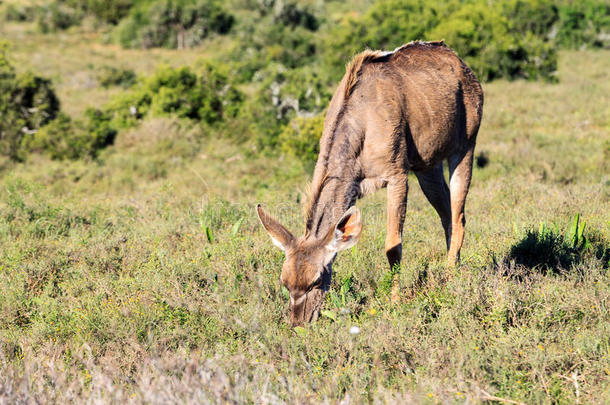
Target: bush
pixel 301 138
pixel 263 44
pixel 173 24
pixel 548 249
pixel 535 16
pixel 487 36
pixel 108 11
pixel 63 138
pixel 57 16
pixel 283 95
pixel 19 12
pixel 27 102
pixel 300 92
pixel 111 76
pixel 386 25
pixel 205 96
pixel 482 37
pixel 583 23
pixel 289 13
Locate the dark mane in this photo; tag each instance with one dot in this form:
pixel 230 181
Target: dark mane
pixel 353 68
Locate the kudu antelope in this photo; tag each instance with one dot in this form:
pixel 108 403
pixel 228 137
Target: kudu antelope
pixel 393 112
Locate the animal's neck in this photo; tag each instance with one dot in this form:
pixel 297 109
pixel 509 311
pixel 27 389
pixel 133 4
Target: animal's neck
pixel 338 194
pixel 337 178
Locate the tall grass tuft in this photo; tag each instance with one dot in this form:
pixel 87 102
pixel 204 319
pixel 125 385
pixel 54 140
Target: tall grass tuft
pixel 548 249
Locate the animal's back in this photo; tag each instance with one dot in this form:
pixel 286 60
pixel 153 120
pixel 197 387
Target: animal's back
pixel 424 90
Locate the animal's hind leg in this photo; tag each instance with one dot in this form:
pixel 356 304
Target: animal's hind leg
pixel 435 189
pixel 460 169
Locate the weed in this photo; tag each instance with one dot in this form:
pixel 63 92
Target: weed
pixel 550 250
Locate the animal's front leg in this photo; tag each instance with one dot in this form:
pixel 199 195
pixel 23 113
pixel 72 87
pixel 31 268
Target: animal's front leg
pixel 397 207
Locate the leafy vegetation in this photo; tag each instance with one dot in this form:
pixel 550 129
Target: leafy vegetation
pixel 64 139
pixel 301 138
pixel 205 96
pixel 494 40
pixel 111 76
pixel 548 249
pixel 27 102
pixel 173 23
pixel 108 11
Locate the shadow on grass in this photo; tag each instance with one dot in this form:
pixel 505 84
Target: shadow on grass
pixel 549 252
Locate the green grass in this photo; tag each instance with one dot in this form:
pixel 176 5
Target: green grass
pixel 125 279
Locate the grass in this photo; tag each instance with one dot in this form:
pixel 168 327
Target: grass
pixel 126 279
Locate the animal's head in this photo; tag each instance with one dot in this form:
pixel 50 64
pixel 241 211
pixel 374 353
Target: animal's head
pixel 306 271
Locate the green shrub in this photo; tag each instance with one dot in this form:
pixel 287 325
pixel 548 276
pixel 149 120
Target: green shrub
pixel 282 32
pixel 535 16
pixel 386 25
pixel 482 37
pixel 57 16
pixel 108 11
pixel 111 76
pixel 290 13
pixel 19 12
pixel 62 14
pixel 264 44
pixel 36 99
pixel 301 138
pixel 584 23
pixel 173 24
pixel 57 139
pixel 295 92
pixel 63 138
pixel 283 95
pixel 205 96
pixel 548 249
pixel 496 39
pixel 27 102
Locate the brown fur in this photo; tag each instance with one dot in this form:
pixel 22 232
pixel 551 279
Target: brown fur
pixel 393 112
pixel 352 70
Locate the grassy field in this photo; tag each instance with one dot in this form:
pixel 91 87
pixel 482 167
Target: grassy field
pixel 144 276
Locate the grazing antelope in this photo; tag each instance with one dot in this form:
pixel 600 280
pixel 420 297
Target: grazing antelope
pixel 393 112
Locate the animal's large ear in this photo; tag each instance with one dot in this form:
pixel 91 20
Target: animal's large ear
pixel 347 231
pixel 280 236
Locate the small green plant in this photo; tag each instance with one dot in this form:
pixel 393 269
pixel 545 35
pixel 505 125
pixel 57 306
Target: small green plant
pixel 575 237
pixel 548 249
pixel 341 298
pixel 235 227
pixel 384 287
